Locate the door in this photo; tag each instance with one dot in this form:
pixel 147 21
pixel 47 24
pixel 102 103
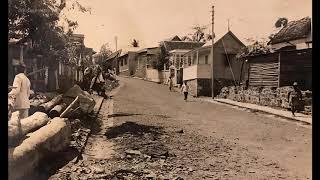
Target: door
pixel 180 76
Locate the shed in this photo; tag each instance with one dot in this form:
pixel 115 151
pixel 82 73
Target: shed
pixel 281 68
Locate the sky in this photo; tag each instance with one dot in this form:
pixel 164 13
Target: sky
pixel 151 21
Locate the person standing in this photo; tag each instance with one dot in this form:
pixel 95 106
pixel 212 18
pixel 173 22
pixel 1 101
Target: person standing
pixel 21 92
pixel 295 98
pixel 185 90
pixel 170 83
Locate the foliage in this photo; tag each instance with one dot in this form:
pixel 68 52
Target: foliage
pixel 281 22
pixel 163 59
pixel 197 35
pixel 255 48
pixel 38 21
pixel 135 43
pixel 104 53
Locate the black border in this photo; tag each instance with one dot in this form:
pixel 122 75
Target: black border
pixel 315 89
pixel 4 90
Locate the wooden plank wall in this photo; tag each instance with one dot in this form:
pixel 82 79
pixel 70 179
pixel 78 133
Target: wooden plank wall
pixel 264 74
pixel 264 70
pixel 296 66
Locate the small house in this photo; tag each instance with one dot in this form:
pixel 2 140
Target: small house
pixel 226 68
pixel 295 35
pixel 281 68
pixel 126 63
pixel 175 48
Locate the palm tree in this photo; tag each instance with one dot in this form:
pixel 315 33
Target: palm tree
pixel 135 43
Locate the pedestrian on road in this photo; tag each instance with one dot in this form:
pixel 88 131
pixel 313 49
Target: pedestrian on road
pixel 295 98
pixel 170 83
pixel 185 90
pixel 21 92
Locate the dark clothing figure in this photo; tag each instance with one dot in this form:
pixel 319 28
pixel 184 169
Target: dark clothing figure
pixel 185 95
pixel 295 98
pixel 170 83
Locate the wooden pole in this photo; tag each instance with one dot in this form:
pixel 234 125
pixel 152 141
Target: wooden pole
pixel 69 107
pixel 212 73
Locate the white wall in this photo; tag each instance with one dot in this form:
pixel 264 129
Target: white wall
pixel 153 75
pixel 197 71
pixel 190 72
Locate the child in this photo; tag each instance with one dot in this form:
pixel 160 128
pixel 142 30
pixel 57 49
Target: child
pixel 185 90
pixel 170 83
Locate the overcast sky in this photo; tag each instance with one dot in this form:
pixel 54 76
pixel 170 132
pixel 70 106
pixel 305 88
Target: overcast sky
pixel 151 21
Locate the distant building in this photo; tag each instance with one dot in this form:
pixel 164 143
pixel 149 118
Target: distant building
pixel 174 49
pixel 295 35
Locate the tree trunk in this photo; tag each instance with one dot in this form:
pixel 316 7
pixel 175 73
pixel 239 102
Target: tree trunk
pixel 49 105
pixel 57 110
pixel 24 126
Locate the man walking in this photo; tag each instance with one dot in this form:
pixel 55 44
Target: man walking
pixel 185 90
pixel 21 92
pixel 295 98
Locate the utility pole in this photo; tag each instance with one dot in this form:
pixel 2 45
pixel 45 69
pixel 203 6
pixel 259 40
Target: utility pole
pixel 212 72
pixel 228 24
pixel 116 41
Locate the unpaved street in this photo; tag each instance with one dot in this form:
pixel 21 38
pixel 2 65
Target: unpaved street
pixel 151 133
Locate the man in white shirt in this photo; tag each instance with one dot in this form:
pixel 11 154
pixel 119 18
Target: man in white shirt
pixel 21 92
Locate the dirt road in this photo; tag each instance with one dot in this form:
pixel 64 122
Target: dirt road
pixel 152 133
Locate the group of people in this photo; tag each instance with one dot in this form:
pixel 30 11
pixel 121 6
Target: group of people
pixel 184 87
pixel 294 97
pixel 94 79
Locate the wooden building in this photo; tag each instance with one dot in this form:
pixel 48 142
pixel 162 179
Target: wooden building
pixel 226 68
pixel 296 34
pixel 281 68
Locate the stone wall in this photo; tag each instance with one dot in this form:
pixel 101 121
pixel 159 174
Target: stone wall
pixel 273 97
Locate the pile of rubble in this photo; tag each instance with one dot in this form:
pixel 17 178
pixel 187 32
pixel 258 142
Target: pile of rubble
pixel 110 85
pixel 273 97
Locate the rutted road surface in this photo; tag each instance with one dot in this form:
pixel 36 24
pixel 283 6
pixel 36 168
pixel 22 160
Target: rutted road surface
pixel 153 134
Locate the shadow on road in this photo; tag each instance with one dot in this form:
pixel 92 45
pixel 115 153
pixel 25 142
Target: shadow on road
pixel 122 114
pixel 133 129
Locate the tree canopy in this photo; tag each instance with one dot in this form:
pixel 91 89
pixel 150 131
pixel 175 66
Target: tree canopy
pixel 38 21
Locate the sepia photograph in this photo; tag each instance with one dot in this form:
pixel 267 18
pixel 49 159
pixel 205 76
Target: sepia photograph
pixel 159 89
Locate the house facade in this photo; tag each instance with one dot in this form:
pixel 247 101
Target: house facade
pixel 226 68
pixel 126 63
pixel 281 68
pixel 174 49
pixel 296 35
pixel 290 62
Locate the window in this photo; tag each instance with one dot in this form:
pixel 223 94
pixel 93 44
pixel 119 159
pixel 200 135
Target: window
pixel 121 62
pixel 125 62
pixel 206 59
pixel 189 60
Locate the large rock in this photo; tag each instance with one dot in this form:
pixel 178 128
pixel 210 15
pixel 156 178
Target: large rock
pixel 53 137
pixel 86 102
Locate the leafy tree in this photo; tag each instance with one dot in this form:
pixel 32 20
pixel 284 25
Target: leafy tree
pixel 38 21
pixel 255 48
pixel 104 53
pixel 135 43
